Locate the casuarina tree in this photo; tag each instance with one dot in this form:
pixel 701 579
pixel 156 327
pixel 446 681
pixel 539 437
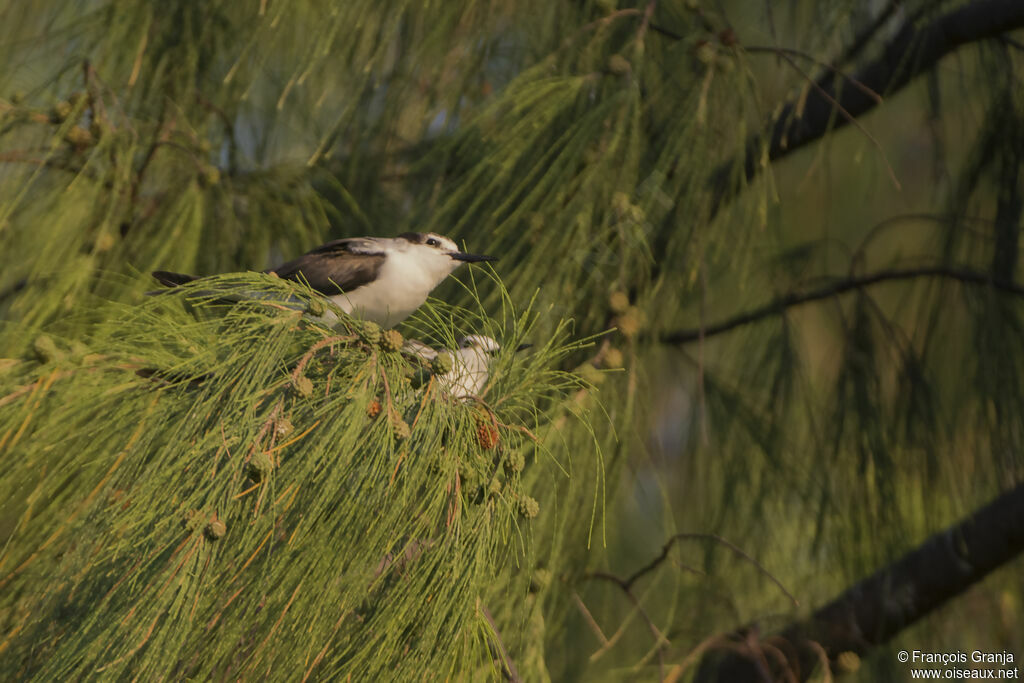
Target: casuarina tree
pixel 766 255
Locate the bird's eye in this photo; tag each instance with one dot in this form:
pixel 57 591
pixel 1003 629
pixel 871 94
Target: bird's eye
pixel 431 242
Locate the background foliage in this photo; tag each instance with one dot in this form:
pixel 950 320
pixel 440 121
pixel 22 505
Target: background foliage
pixel 813 341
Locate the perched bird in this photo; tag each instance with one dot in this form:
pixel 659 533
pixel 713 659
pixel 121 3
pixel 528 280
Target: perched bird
pixel 470 363
pixel 380 279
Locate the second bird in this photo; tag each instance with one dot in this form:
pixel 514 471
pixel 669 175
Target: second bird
pixel 380 279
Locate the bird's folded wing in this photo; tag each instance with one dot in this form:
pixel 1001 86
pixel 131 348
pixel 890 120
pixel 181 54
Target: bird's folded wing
pixel 414 347
pixel 169 279
pixel 349 245
pixel 338 266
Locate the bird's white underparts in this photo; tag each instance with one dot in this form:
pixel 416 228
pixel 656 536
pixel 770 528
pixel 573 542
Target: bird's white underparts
pixel 380 279
pixel 471 363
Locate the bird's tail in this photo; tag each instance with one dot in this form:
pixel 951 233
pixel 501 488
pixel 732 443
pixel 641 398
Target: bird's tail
pixel 168 279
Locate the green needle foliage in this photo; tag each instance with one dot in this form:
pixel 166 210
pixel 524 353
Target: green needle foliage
pixel 249 493
pixel 768 255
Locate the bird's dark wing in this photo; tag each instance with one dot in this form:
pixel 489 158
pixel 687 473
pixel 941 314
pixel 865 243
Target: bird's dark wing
pixel 348 245
pixel 338 266
pixel 168 279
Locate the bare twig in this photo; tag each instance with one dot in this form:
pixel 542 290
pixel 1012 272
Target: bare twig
pixel 509 670
pixel 589 618
pixel 308 356
pixel 653 564
pixel 789 52
pixel 659 638
pixel 787 301
pixel 850 118
pixel 25 157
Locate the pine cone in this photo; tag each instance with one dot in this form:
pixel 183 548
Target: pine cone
pixel 402 430
pixel 215 529
pixel 486 435
pixel 303 386
pixel 373 410
pixel 193 520
pixel 442 363
pixel 392 340
pixel 848 662
pixel 61 111
pixel 612 358
pixel 618 302
pixel 515 462
pixel 631 322
pixel 315 307
pixel 541 579
pixel 619 65
pixel 78 137
pixel 283 427
pixel 528 507
pixel 371 332
pixel 260 466
pixel 589 374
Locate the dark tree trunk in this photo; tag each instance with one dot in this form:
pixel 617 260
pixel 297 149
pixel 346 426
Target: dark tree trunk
pixel 880 606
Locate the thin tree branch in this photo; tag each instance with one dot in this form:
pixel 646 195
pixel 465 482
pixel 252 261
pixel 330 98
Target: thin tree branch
pixel 585 611
pixel 911 52
pixel 783 303
pixel 626 585
pixel 508 666
pixel 785 51
pixel 653 564
pixel 660 641
pixel 837 106
pixel 25 157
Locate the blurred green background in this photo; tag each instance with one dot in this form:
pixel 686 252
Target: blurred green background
pixel 629 164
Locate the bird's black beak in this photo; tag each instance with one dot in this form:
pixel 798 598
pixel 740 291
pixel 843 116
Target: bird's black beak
pixel 523 347
pixel 472 258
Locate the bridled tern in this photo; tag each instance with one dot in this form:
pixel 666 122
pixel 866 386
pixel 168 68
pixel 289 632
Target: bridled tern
pixel 380 279
pixel 470 363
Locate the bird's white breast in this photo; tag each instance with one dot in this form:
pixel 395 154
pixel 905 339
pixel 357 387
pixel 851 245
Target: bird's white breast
pixel 468 374
pixel 404 281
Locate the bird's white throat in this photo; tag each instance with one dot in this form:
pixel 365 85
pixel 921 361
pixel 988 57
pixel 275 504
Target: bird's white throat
pixel 405 279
